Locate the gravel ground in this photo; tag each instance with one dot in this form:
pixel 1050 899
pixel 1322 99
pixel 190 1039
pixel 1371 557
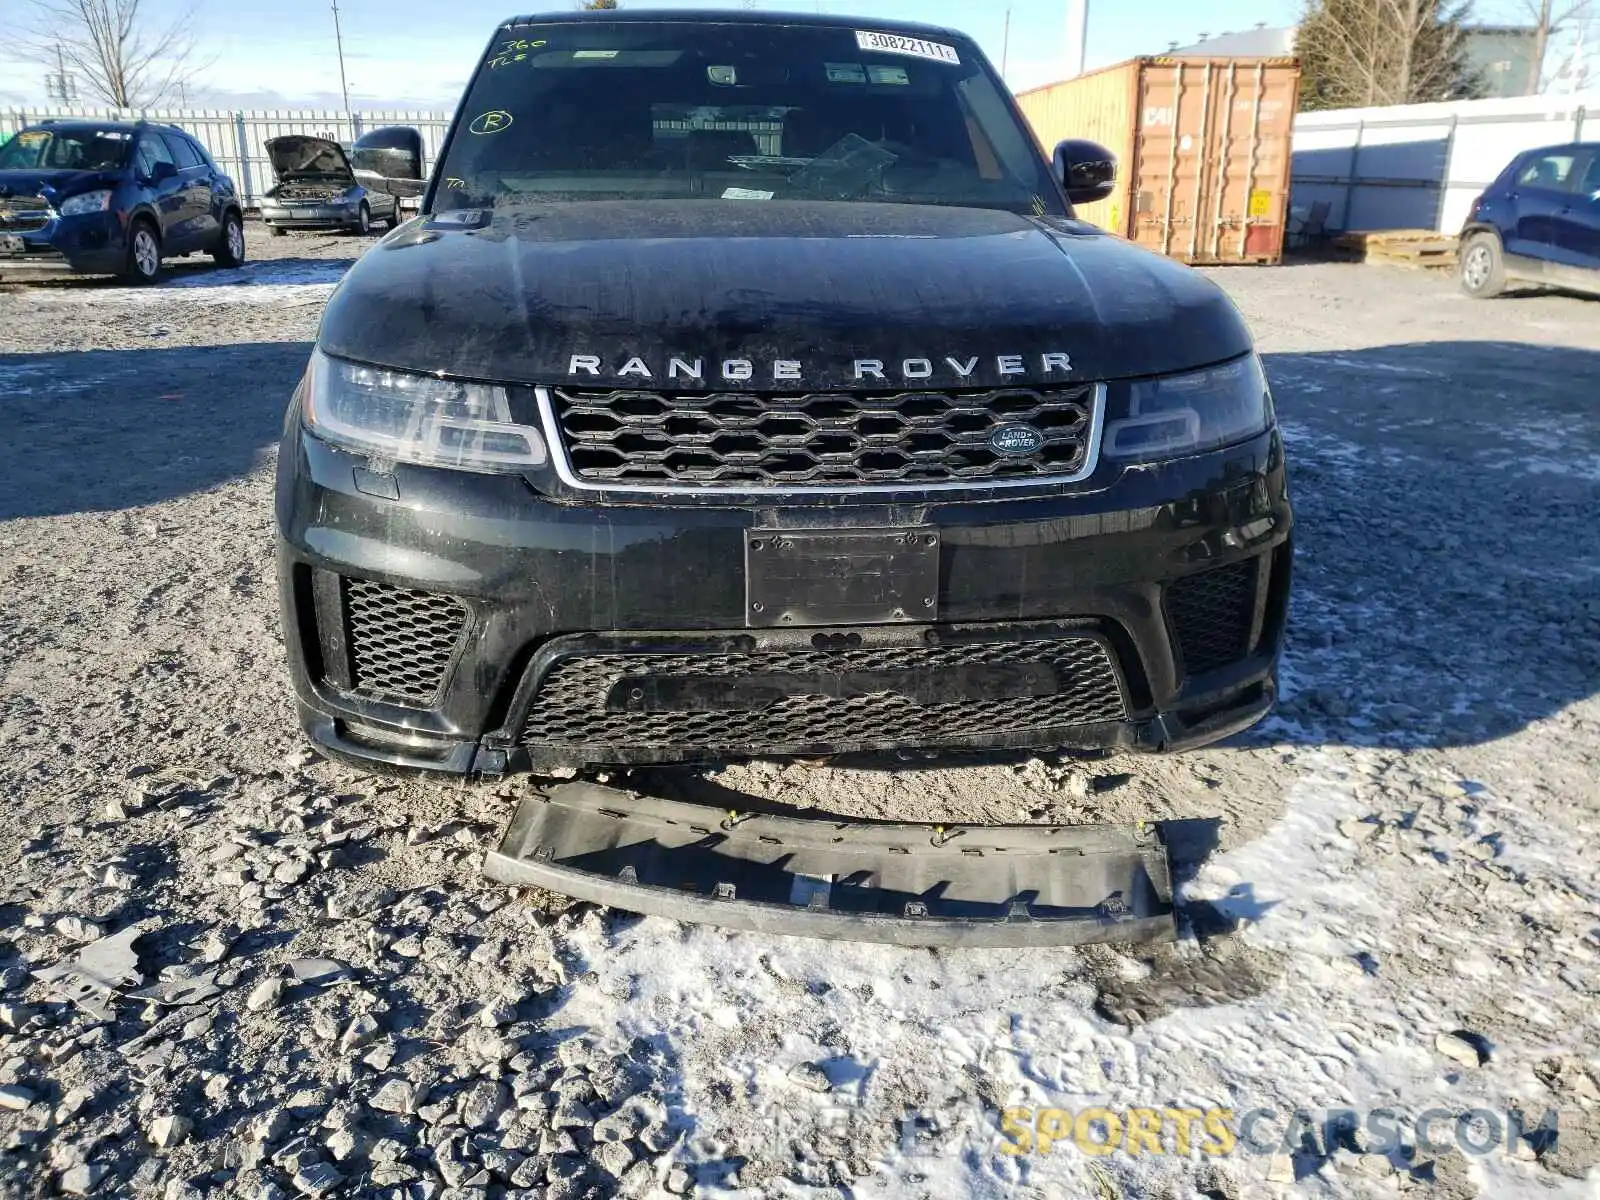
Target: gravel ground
pixel 316 993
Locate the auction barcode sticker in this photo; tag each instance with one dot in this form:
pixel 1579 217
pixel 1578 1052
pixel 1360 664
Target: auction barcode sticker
pixel 893 43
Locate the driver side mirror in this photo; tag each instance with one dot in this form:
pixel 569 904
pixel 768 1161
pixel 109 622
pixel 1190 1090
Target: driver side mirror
pixel 162 169
pixel 389 160
pixel 1087 170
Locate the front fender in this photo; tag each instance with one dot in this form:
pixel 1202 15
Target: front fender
pixel 144 210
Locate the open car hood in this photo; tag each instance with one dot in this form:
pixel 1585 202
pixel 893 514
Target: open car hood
pixel 299 156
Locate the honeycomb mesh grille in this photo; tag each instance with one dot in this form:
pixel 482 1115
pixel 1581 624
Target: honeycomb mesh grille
pixel 729 439
pixel 400 641
pixel 569 708
pixel 1211 615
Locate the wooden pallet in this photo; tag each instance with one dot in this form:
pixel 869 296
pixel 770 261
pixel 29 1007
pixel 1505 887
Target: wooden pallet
pixel 1404 247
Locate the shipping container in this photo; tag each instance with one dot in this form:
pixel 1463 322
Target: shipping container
pixel 1202 148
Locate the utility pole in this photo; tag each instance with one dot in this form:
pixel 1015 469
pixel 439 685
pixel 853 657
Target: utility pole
pixel 338 40
pixel 1077 36
pixel 61 87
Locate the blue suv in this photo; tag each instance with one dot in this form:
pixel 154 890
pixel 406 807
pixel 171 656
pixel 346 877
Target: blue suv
pixel 112 198
pixel 1539 222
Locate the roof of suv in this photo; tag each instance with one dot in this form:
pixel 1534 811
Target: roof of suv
pixel 718 16
pixel 96 123
pixel 1554 146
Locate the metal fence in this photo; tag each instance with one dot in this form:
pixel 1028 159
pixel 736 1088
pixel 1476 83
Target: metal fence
pixel 237 140
pixel 1419 166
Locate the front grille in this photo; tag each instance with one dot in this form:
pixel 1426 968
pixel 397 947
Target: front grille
pixel 570 706
pixel 23 213
pixel 739 440
pixel 400 642
pixel 1212 614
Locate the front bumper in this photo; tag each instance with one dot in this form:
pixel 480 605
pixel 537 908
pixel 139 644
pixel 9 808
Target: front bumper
pixel 86 244
pixel 443 621
pixel 310 216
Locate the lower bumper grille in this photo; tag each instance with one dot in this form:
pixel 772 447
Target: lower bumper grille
pixel 400 642
pixel 795 700
pixel 1212 615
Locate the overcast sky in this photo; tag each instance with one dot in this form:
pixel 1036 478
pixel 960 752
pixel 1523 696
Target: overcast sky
pixel 418 53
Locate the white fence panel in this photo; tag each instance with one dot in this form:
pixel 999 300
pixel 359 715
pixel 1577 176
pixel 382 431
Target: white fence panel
pixel 237 140
pixel 1419 166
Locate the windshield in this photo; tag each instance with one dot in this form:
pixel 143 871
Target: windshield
pixel 66 150
pixel 678 110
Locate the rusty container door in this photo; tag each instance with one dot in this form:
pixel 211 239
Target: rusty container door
pixel 1102 107
pixel 1202 148
pixel 1211 169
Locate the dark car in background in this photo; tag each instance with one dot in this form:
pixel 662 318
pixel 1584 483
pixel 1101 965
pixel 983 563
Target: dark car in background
pixel 316 189
pixel 1539 222
pixel 112 198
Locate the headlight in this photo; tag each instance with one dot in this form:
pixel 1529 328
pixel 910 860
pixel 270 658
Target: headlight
pixel 417 418
pixel 1176 415
pixel 86 202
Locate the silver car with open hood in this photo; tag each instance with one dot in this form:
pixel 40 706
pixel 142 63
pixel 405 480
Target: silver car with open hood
pixel 316 189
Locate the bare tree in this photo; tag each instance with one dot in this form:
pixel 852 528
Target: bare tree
pixel 1573 65
pixel 1357 53
pixel 119 55
pixel 1554 20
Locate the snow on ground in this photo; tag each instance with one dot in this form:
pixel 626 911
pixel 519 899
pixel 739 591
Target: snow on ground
pixel 1400 911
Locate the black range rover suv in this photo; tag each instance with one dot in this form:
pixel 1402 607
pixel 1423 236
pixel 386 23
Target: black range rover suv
pixel 747 387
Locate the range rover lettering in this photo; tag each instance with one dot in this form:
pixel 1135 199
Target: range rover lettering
pixel 748 387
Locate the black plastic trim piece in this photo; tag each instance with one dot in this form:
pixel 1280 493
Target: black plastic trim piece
pixel 907 885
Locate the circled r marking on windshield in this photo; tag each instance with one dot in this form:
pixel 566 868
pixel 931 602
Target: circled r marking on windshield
pixel 492 121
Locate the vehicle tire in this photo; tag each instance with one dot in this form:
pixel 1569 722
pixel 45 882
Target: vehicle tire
pixel 399 217
pixel 277 230
pixel 1482 267
pixel 364 219
pixel 230 249
pixel 144 253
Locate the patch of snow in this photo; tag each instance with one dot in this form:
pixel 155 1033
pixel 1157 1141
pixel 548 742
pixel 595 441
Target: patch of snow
pixel 266 273
pixel 959 1035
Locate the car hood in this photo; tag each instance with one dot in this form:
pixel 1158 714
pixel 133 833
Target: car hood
pixel 774 296
pixel 299 156
pixel 51 184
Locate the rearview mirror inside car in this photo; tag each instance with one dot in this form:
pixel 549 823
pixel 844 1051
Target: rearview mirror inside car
pixel 1087 170
pixel 389 160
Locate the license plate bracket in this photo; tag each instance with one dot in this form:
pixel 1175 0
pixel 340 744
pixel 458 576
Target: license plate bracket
pixel 841 576
pixel 10 244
